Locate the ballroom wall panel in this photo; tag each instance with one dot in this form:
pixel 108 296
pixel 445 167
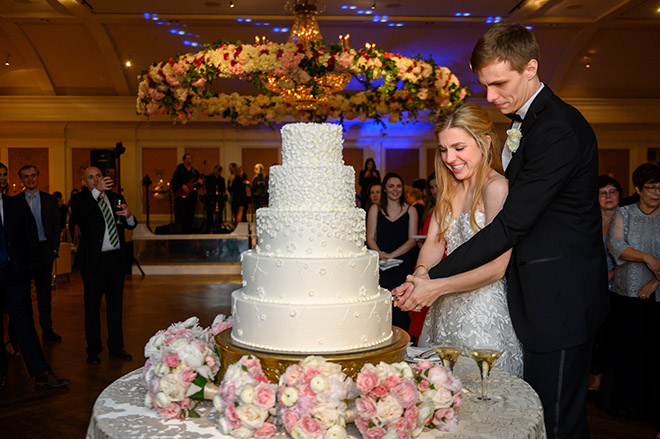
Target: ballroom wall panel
pixel 159 164
pixel 19 157
pixel 615 163
pixel 252 156
pixel 430 161
pixel 204 159
pixel 404 162
pixel 354 157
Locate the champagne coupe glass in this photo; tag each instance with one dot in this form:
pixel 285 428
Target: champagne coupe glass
pixel 118 207
pixel 485 359
pixel 448 355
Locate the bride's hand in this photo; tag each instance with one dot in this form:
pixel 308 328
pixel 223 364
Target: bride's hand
pixel 423 292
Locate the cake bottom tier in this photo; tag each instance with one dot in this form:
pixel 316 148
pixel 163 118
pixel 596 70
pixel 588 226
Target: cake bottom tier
pixel 342 327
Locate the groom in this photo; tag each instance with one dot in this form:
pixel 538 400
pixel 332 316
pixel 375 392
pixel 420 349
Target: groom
pixel 557 273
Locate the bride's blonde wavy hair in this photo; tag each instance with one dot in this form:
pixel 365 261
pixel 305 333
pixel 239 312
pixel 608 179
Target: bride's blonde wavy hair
pixel 474 120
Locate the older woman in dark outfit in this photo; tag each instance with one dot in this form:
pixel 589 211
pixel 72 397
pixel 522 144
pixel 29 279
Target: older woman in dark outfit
pixel 635 244
pixel 609 194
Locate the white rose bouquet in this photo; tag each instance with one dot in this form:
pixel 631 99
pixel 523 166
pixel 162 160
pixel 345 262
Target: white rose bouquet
pixel 312 399
pixel 440 396
pixel 388 403
pixel 246 401
pixel 181 365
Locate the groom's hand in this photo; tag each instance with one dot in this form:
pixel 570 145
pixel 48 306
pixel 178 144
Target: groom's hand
pixel 402 292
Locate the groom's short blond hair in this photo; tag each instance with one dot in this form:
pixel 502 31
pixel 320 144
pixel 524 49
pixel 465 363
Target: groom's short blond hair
pixel 505 42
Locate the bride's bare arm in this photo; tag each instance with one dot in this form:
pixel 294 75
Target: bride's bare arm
pixel 426 291
pixel 432 250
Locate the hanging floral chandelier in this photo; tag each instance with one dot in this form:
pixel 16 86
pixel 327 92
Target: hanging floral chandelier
pixel 306 32
pixel 302 79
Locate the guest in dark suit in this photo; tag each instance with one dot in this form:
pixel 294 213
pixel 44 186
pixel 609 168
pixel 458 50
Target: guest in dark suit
pixel 557 275
pixel 100 258
pixel 46 213
pixel 18 257
pixel 64 210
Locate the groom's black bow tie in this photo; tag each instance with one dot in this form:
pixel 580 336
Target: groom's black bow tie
pixel 514 117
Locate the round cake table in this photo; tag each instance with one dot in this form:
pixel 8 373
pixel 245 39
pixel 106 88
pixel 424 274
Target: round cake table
pixel 119 412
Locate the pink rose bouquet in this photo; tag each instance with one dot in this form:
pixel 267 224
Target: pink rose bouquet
pixel 181 365
pixel 312 399
pixel 440 395
pixel 246 401
pixel 388 403
pixel 220 324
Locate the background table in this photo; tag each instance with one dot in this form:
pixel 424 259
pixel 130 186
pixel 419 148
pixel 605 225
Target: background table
pixel 119 412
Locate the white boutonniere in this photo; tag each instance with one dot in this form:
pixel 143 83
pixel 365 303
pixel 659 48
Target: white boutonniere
pixel 513 139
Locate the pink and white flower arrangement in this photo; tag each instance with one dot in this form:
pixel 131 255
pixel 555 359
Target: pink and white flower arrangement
pixel 312 399
pixel 388 403
pixel 180 86
pixel 181 365
pixel 440 395
pixel 246 401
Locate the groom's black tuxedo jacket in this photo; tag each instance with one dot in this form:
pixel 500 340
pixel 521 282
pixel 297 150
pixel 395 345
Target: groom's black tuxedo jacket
pixel 557 276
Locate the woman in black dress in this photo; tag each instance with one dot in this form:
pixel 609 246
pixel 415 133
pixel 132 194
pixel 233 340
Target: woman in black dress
pixel 390 230
pixel 239 198
pixel 368 176
pixel 258 187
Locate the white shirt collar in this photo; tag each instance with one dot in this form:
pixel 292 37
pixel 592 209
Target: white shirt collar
pixel 522 112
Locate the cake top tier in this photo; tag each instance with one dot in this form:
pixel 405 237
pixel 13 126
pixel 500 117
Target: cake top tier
pixel 311 144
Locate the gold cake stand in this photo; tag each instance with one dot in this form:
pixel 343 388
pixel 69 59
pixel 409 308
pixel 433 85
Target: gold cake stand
pixel 275 363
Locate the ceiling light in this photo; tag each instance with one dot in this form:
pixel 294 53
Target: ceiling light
pixel 7 60
pixel 231 4
pixel 129 62
pixel 373 7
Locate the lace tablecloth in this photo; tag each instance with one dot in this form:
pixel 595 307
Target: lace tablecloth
pixel 119 412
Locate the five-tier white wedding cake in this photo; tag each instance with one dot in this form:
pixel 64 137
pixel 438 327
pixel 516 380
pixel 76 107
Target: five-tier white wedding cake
pixel 311 285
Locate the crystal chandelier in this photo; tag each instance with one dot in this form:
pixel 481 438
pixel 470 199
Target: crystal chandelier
pixel 305 31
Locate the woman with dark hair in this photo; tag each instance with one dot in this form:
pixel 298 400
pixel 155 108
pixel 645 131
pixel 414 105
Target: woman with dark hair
pixel 258 187
pixel 375 193
pixel 239 198
pixel 368 176
pixel 609 194
pixel 634 241
pixel 390 229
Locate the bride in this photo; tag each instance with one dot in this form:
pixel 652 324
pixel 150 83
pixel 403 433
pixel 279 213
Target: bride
pixel 468 310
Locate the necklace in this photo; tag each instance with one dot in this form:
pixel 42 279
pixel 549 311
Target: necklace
pixel 650 212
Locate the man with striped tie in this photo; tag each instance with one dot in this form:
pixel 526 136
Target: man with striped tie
pixel 100 258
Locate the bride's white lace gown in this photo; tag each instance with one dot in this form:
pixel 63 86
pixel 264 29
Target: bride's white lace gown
pixel 477 318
